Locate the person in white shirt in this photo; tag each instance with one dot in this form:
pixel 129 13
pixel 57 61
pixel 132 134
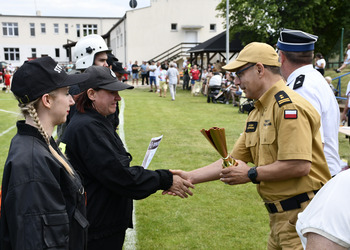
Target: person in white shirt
pixel 346 112
pixel 320 63
pixel 346 60
pixel 296 54
pixel 174 78
pixel 157 73
pixel 152 76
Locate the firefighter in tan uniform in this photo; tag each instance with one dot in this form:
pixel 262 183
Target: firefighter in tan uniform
pixel 281 139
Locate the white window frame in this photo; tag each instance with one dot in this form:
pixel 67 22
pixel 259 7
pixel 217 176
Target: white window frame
pixel 89 29
pixel 32 29
pixel 10 29
pixel 56 28
pixel 11 54
pixel 171 26
pixel 33 52
pixel 43 28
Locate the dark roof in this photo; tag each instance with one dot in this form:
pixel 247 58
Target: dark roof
pixel 218 44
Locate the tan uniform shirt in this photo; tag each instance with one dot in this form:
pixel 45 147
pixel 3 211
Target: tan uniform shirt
pixel 283 126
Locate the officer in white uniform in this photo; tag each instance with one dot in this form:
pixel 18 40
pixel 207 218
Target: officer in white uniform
pixel 296 54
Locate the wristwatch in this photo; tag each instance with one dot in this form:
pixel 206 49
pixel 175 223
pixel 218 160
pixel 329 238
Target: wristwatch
pixel 252 174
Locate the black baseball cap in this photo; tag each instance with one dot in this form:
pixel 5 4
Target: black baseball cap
pixel 103 78
pixel 111 59
pixel 117 67
pixel 40 76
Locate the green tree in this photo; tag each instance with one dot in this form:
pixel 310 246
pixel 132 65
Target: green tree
pixel 262 20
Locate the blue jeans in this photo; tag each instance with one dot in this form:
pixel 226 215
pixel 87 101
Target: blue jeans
pixel 152 79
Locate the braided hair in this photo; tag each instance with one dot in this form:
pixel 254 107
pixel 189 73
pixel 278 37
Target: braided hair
pixel 31 110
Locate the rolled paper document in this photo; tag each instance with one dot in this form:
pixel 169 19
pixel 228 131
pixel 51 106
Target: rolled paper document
pixel 216 137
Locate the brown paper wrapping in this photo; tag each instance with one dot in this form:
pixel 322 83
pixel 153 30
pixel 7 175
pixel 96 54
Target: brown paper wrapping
pixel 216 137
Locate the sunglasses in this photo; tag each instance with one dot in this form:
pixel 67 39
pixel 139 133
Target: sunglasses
pixel 239 73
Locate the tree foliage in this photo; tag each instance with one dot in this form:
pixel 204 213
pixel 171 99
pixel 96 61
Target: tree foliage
pixel 262 20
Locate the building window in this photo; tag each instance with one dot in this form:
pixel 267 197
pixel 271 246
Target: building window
pixel 10 29
pixel 11 54
pixel 55 28
pixel 212 27
pixel 43 28
pixel 78 30
pixel 66 28
pixel 174 26
pixel 33 52
pixel 32 29
pixel 57 52
pixel 89 29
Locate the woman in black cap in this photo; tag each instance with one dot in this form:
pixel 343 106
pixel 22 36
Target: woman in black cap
pixel 97 152
pixel 43 200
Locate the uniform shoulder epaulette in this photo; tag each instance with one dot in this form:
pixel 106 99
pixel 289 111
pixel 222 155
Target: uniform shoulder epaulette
pixel 282 98
pixel 299 81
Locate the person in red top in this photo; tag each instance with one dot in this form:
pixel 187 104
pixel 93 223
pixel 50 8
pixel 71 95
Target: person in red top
pixel 195 74
pixel 7 78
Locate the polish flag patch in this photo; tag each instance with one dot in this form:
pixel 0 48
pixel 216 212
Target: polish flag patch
pixel 291 114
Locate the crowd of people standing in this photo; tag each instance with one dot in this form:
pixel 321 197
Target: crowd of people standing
pixel 163 76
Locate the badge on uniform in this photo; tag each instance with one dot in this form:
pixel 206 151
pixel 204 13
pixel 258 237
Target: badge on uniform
pixel 282 98
pixel 251 127
pixel 267 123
pixel 299 81
pixel 290 114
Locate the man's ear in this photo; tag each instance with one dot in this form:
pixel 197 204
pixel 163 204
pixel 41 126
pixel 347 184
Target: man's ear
pixel 282 57
pixel 260 68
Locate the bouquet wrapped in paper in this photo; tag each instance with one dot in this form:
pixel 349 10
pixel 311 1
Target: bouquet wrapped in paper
pixel 216 137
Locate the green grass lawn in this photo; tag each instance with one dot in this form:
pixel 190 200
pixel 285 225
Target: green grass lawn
pixel 218 216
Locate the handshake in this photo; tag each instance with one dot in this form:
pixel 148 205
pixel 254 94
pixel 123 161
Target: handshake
pixel 223 169
pixel 183 180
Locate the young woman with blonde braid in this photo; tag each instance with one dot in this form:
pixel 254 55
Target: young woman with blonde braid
pixel 43 200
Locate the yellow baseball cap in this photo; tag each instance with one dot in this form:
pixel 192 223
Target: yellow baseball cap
pixel 253 53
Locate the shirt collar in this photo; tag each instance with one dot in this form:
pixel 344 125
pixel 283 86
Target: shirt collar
pixel 26 129
pixel 299 71
pixel 268 97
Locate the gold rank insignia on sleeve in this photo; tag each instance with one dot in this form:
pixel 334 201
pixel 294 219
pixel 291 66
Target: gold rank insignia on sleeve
pixel 251 127
pixel 282 98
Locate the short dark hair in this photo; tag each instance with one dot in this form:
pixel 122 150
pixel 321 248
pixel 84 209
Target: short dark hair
pixel 303 57
pixel 274 69
pixel 319 55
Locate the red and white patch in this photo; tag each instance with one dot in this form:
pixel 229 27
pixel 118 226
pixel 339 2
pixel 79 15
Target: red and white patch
pixel 291 114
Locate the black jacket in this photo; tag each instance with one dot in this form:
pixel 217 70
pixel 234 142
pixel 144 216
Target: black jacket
pixel 42 206
pixel 96 151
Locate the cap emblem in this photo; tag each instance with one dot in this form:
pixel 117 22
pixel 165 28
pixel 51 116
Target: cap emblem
pixel 58 68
